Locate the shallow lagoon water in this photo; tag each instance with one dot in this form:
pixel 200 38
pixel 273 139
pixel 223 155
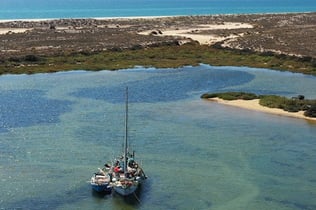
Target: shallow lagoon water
pixel 57 129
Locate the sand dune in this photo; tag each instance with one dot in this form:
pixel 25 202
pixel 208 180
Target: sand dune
pixel 196 33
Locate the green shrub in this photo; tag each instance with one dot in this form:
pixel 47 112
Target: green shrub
pixel 31 58
pixel 231 95
pixel 15 59
pixel 292 105
pixel 272 101
pixel 311 111
pixel 209 95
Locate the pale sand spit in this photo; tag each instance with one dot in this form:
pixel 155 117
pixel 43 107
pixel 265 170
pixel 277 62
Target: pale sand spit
pixel 254 105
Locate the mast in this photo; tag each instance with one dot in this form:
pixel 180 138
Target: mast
pixel 126 133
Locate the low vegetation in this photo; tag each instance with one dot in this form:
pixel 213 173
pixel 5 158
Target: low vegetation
pixel 231 95
pixel 294 104
pixel 159 56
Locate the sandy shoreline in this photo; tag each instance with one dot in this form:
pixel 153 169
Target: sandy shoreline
pixel 146 17
pixel 255 106
pixel 96 18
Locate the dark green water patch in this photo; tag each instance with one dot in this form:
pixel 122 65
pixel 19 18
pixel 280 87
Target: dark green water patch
pixel 49 202
pixel 168 85
pixel 22 108
pixel 292 204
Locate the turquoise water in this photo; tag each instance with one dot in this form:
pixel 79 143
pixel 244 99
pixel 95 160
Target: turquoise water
pixel 22 9
pixel 57 129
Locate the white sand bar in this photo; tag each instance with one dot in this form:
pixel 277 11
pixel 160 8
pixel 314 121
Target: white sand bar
pixel 254 105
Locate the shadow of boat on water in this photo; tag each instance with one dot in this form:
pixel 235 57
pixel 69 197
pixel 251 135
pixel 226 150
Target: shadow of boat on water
pixel 100 194
pixel 134 199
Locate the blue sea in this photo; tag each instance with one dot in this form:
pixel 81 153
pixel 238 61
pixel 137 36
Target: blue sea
pixel 42 9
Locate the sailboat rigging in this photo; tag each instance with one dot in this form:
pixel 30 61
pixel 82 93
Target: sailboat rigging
pixel 125 175
pixel 133 175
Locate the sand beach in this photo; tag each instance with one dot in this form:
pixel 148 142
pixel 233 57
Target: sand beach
pixel 255 106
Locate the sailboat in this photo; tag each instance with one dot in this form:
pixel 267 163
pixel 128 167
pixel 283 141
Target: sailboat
pixel 128 174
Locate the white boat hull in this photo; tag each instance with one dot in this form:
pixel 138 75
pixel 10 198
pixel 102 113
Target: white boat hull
pixel 125 189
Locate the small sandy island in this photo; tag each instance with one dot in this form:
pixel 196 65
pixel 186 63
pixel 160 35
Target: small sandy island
pixel 254 105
